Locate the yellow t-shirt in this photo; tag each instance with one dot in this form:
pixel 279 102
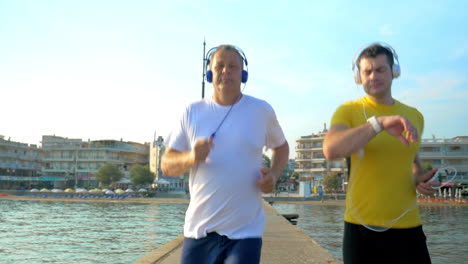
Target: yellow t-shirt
pixel 381 189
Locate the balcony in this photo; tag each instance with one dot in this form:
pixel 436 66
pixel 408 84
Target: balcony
pixel 444 154
pixel 337 169
pixel 309 149
pixel 303 159
pixel 309 170
pixel 59 159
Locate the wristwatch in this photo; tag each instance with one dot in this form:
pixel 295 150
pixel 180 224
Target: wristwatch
pixel 375 124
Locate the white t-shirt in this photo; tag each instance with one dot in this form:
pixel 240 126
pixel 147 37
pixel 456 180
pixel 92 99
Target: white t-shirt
pixel 224 196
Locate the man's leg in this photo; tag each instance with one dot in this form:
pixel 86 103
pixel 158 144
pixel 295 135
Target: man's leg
pixel 203 250
pixel 359 246
pixel 402 246
pixel 407 246
pixel 243 251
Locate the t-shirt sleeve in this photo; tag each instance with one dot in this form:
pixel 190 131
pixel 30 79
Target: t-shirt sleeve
pixel 275 136
pixel 342 115
pixel 178 138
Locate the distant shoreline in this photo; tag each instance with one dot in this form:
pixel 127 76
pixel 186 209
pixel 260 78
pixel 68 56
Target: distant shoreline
pixel 161 200
pixel 94 200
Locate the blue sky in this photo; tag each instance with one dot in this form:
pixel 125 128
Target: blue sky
pixel 125 69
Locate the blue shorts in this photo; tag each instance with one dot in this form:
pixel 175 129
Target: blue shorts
pixel 215 248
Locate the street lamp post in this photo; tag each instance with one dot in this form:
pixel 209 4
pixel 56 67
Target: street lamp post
pixel 76 174
pixel 204 70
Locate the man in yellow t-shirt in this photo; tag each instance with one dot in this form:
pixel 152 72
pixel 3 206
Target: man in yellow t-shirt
pixel 381 134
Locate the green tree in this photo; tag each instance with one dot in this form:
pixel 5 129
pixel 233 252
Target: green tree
pixel 332 182
pixel 295 175
pixel 108 174
pixel 140 174
pixel 426 166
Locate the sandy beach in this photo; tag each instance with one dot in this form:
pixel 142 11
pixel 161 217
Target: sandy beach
pixel 76 199
pixel 180 200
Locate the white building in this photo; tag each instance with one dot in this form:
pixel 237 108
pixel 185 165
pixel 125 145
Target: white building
pixel 157 149
pixel 442 153
pixel 20 164
pixel 311 163
pixel 72 162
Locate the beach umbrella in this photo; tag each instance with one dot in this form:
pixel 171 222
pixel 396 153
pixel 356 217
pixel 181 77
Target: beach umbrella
pixel 95 190
pixel 129 190
pixel 57 190
pixel 142 190
pixel 34 190
pixel 44 190
pixel 69 190
pixel 81 190
pixel 119 191
pixel 162 181
pixel 109 192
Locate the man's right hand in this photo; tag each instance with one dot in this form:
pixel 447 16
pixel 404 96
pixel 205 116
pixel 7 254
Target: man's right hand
pixel 201 149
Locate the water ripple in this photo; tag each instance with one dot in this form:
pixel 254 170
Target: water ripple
pixel 61 232
pixel 446 229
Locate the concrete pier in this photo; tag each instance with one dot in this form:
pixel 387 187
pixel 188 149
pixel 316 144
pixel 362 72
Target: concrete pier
pixel 283 243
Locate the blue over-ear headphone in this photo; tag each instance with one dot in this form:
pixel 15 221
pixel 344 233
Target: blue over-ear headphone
pixel 209 73
pixel 396 70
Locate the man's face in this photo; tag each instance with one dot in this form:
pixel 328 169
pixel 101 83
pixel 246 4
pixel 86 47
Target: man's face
pixel 376 76
pixel 227 71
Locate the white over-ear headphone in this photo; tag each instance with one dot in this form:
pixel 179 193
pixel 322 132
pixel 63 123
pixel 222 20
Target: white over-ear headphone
pixel 396 70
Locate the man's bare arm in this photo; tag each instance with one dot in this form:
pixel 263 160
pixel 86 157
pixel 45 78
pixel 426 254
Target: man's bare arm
pixel 269 176
pixel 175 163
pixel 279 159
pixel 341 141
pixel 422 179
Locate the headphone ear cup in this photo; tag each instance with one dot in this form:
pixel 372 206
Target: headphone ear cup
pixel 245 76
pixel 396 70
pixel 209 76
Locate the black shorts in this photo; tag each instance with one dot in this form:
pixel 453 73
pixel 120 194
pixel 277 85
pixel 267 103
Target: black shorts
pixel 396 246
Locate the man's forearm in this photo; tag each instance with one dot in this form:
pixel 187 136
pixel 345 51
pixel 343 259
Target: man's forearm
pixel 279 159
pixel 344 141
pixel 174 163
pixel 418 171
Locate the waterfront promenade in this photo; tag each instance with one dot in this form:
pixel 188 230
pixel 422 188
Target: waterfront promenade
pixel 283 243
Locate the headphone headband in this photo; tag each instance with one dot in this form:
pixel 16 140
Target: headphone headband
pixel 209 73
pixel 396 70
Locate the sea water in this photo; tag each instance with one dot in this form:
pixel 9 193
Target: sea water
pixel 94 232
pixel 85 232
pixel 445 227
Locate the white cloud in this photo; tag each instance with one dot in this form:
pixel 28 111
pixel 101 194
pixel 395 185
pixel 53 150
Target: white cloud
pixel 441 97
pixel 460 52
pixel 387 31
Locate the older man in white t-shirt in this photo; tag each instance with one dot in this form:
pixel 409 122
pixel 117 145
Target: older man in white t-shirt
pixel 220 140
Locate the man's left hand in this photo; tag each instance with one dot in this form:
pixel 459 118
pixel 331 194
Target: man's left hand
pixel 424 184
pixel 267 182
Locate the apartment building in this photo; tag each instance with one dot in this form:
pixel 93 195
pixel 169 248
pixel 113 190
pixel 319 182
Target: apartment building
pixel 156 151
pixel 442 153
pixel 72 162
pixel 311 163
pixel 20 164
